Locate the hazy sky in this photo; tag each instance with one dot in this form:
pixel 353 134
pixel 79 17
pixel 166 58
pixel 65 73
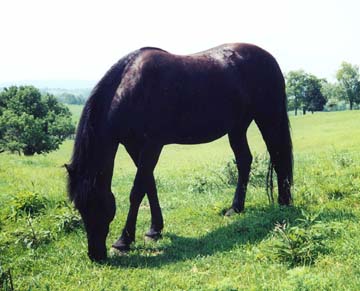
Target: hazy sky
pixel 82 39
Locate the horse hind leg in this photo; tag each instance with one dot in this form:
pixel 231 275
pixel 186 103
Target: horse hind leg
pixel 243 157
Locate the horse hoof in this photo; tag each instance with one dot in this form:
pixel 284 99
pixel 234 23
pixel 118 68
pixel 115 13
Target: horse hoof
pixel 121 245
pixel 153 234
pixel 232 212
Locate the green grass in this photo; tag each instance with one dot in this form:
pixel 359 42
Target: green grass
pixel 75 110
pixel 314 245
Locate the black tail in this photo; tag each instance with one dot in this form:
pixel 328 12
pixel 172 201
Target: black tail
pixel 286 157
pixel 270 182
pixel 275 129
pixel 88 136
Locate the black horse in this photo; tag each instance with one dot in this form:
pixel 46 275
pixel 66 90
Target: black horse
pixel 151 98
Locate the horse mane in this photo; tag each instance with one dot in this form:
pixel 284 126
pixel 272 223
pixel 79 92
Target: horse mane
pixel 82 169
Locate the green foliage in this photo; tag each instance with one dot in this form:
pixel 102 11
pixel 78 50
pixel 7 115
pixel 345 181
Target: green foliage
pixel 335 95
pixel 314 99
pixel 304 91
pixel 303 243
pixel 257 176
pixel 230 172
pixel 259 169
pixel 332 91
pixel 348 76
pixel 32 123
pixel 203 184
pixel 68 221
pixel 258 172
pixel 6 282
pixel 298 245
pixel 26 203
pixel 30 237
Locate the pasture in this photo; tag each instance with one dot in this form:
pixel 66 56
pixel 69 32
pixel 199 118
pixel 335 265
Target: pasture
pixel 314 244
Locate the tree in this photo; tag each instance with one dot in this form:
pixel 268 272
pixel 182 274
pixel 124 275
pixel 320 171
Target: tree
pixel 30 122
pixel 314 100
pixel 333 92
pixel 294 88
pixel 349 78
pixel 304 91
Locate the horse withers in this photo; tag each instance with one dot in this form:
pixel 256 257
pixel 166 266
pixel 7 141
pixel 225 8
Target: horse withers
pixel 151 98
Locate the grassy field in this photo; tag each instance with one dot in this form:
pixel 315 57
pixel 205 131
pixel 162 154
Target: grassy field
pixel 314 245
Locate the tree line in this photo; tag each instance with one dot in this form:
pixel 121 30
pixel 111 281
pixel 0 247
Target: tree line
pixel 69 98
pixel 307 92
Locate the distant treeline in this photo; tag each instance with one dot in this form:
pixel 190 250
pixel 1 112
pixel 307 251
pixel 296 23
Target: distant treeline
pixel 69 98
pixel 307 92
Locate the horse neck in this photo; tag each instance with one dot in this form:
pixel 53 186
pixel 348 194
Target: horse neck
pixel 100 166
pixel 91 170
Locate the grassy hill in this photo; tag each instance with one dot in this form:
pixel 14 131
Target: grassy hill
pixel 313 245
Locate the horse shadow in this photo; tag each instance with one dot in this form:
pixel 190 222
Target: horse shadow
pixel 248 228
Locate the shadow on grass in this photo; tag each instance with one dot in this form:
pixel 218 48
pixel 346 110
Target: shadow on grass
pixel 248 228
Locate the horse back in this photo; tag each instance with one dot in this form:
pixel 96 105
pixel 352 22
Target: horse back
pixel 193 98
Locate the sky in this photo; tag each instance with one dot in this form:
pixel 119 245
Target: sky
pixel 80 40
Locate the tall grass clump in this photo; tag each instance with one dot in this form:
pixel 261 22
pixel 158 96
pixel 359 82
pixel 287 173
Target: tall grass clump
pixel 6 281
pixel 68 220
pixel 258 172
pixel 26 203
pixel 31 237
pixel 204 184
pixel 302 243
pixel 259 169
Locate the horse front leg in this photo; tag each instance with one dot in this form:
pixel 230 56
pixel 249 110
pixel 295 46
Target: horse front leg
pixel 136 196
pixel 157 222
pixel 144 182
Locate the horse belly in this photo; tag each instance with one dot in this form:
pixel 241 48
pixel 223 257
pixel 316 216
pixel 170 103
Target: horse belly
pixel 197 139
pixel 201 127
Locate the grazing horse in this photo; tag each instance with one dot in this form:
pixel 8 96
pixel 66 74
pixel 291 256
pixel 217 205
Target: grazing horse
pixel 151 98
